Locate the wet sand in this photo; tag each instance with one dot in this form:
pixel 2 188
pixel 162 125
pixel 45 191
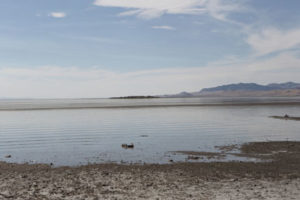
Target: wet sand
pixel 279 178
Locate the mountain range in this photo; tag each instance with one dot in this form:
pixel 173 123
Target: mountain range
pixel 288 89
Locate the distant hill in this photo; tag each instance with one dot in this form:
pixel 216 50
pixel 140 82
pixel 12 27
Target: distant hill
pixel 180 95
pixel 288 89
pixel 253 87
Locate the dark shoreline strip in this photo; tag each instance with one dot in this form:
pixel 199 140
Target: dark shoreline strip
pixel 286 118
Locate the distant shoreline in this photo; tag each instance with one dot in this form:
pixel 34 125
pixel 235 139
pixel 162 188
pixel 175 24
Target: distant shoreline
pixel 135 97
pixel 286 117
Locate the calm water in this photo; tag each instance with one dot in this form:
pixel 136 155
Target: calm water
pixel 95 132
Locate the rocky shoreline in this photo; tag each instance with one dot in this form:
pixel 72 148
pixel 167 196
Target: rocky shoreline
pixel 278 178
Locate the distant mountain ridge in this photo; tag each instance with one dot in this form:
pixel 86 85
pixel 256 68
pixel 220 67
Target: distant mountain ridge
pixel 245 89
pixel 253 87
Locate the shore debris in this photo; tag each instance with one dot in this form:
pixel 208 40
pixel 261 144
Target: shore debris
pixel 193 157
pixel 196 155
pixel 128 146
pixel 227 148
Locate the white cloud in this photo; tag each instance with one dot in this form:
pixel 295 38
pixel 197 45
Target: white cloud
pixel 58 14
pixel 163 27
pixel 155 8
pixel 219 10
pixel 273 40
pixel 52 82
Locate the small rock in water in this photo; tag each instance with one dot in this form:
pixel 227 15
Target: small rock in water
pixel 8 156
pixel 128 146
pixel 144 136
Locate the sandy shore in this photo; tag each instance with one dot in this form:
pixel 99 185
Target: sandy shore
pixel 276 179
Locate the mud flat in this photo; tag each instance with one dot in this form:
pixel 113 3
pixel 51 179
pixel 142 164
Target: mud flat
pixel 276 178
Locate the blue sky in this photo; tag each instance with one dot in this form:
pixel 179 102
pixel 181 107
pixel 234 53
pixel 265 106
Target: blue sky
pixel 101 48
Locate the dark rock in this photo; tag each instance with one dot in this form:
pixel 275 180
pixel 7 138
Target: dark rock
pixel 144 136
pixel 128 146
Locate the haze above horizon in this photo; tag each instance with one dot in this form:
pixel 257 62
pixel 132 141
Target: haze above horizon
pixel 105 48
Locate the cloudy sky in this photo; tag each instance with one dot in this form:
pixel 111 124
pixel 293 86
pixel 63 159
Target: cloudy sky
pixel 103 48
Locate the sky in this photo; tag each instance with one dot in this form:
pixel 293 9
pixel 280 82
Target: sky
pixel 104 48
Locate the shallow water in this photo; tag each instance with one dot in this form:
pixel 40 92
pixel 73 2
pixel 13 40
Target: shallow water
pixel 79 136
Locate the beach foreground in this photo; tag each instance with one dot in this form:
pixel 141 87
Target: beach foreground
pixel 276 178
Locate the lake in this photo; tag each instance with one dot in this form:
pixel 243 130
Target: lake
pixel 81 131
